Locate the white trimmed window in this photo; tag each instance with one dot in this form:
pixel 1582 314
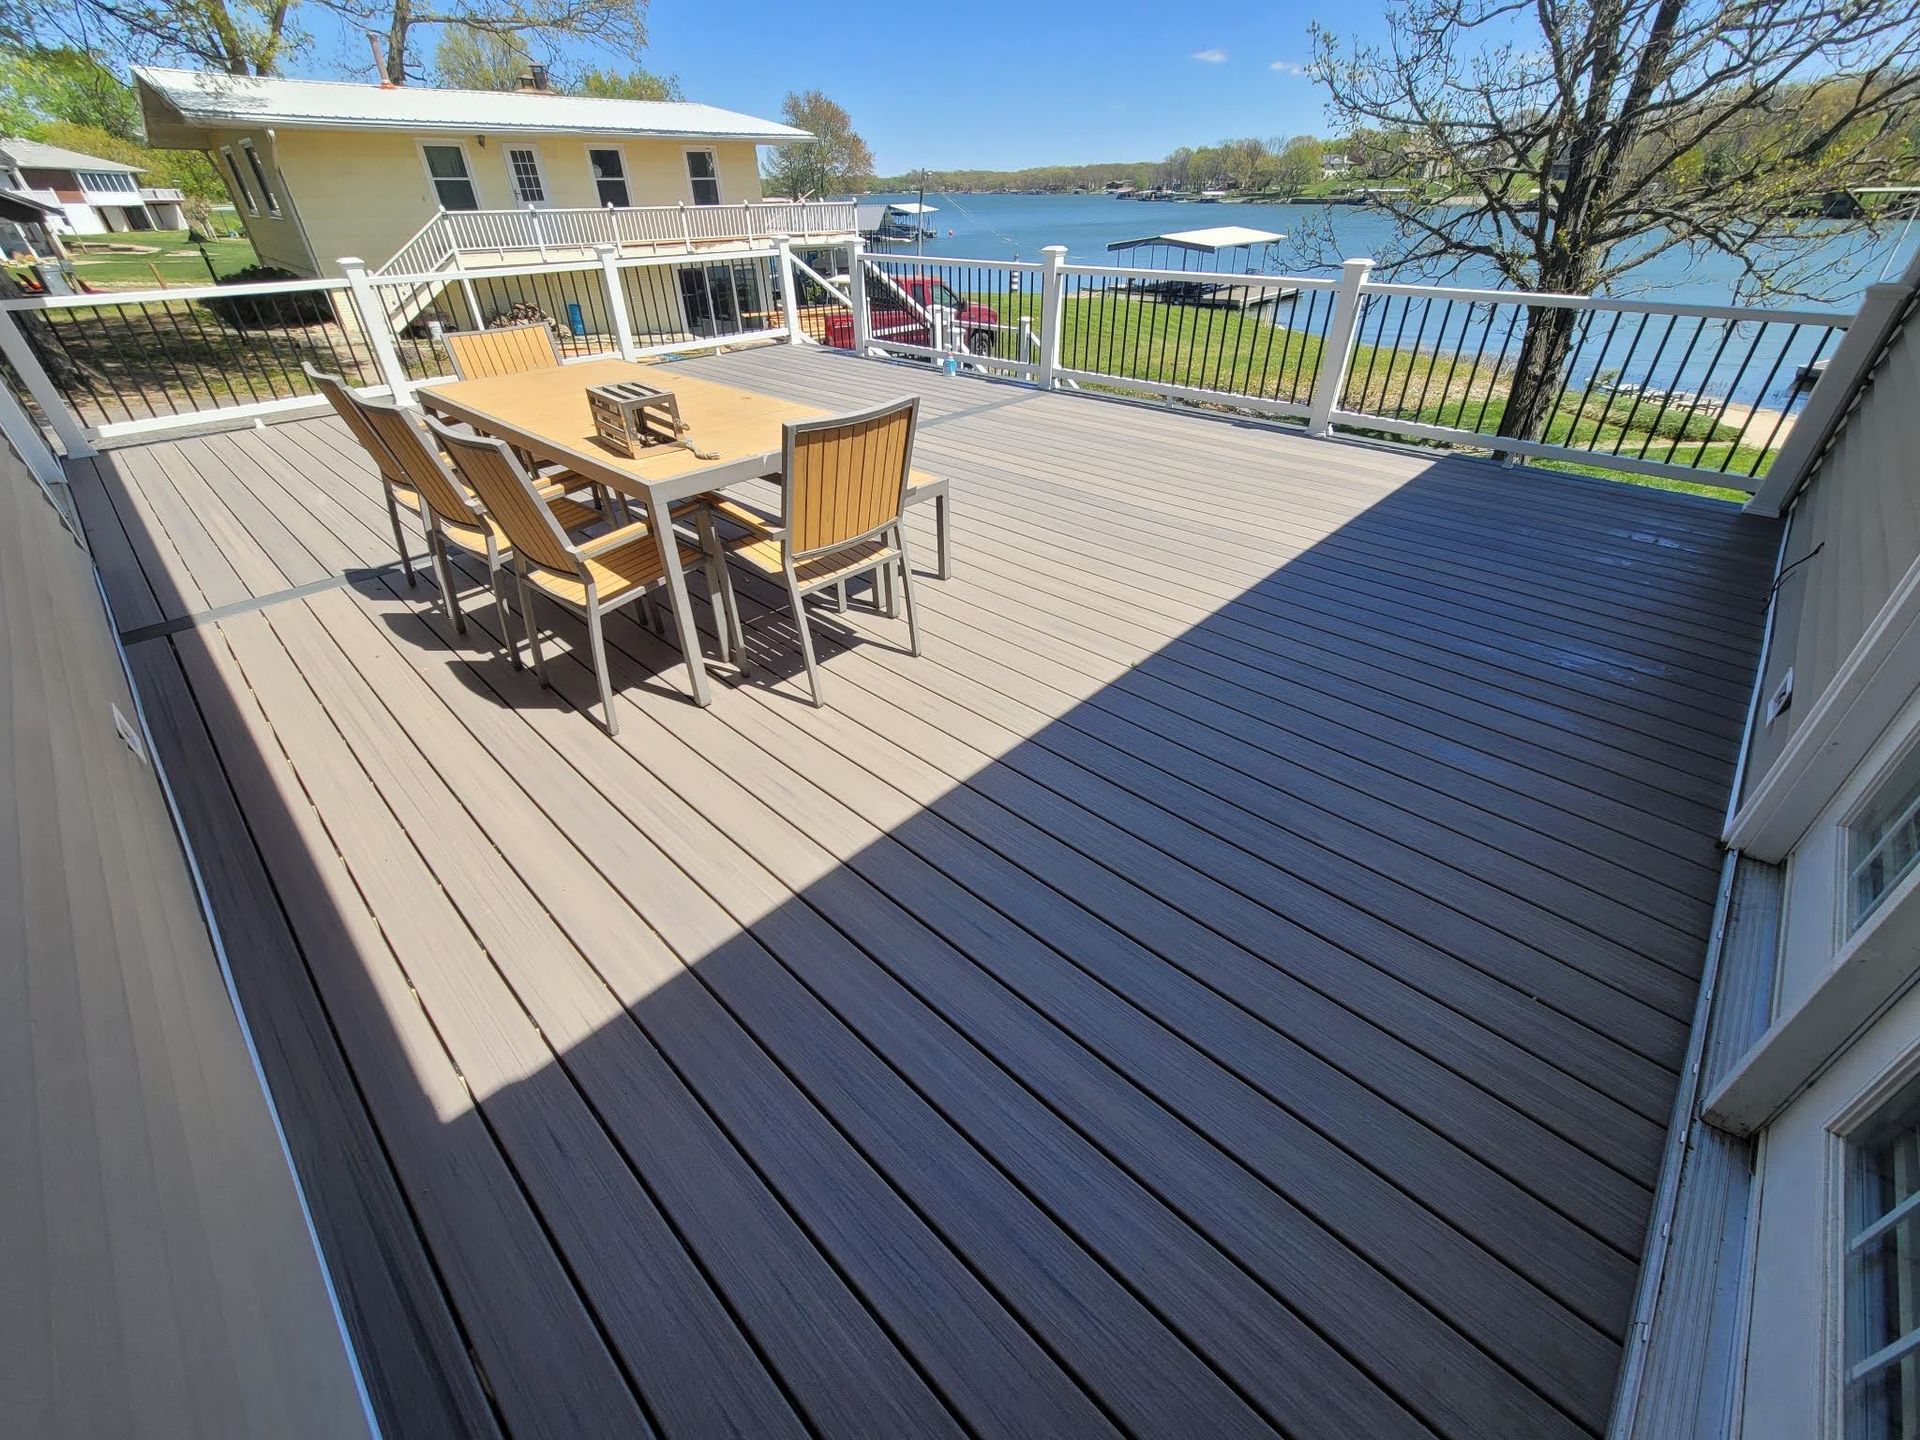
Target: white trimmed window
pixel 1883 841
pixel 609 176
pixel 703 177
pixel 1883 1274
pixel 452 181
pixel 117 180
pixel 523 170
pixel 240 190
pixel 260 177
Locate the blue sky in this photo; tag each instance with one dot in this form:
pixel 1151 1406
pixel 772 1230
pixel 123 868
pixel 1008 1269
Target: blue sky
pixel 1030 83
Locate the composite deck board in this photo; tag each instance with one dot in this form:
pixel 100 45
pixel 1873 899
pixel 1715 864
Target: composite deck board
pixel 1233 981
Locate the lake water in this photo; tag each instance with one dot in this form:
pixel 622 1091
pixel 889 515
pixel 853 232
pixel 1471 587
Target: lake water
pixel 1006 227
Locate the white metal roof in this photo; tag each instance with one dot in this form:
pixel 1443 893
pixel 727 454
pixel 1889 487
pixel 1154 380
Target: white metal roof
pixel 32 155
pixel 912 207
pixel 190 98
pixel 1216 237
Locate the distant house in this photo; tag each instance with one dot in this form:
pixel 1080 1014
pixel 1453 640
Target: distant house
pixel 84 194
pixel 320 170
pixel 1334 167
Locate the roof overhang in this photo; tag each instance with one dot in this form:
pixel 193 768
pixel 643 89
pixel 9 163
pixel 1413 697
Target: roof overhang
pixel 183 109
pixel 24 208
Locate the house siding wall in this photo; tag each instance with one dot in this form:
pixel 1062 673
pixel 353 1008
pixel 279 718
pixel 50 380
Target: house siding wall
pixel 1863 510
pixel 365 193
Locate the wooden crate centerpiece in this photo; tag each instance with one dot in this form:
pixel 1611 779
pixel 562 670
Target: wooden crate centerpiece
pixel 629 416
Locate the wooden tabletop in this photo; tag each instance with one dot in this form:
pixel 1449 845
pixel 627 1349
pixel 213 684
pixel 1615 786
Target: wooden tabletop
pixel 546 412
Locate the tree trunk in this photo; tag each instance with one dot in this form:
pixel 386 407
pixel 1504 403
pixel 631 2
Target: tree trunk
pixel 397 42
pixel 1544 352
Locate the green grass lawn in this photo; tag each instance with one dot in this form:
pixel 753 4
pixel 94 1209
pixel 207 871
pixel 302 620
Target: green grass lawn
pixel 167 251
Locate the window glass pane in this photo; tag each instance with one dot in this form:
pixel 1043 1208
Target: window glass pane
pixel 703 177
pixel 447 164
pixel 239 184
pixel 524 166
pixel 1884 842
pixel 609 176
pixel 260 179
pixel 1883 1274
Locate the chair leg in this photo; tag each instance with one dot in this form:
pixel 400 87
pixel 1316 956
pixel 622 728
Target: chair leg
pixel 806 637
pixel 716 585
pixel 840 597
pixel 443 576
pixel 942 540
pixel 612 725
pixel 906 592
pixel 400 541
pixel 733 614
pixel 532 626
pixel 508 640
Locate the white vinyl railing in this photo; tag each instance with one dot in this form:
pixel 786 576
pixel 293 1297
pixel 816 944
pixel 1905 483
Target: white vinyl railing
pixel 1708 393
pixel 452 235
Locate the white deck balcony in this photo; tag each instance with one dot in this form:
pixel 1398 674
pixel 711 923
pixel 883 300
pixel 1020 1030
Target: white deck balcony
pixel 479 238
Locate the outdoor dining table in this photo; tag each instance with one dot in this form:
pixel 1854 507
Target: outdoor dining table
pixel 546 414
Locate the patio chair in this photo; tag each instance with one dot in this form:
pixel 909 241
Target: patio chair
pixel 399 493
pixel 587 577
pixel 844 498
pixel 455 518
pixel 508 350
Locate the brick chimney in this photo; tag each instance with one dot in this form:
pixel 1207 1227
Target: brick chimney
pixel 533 80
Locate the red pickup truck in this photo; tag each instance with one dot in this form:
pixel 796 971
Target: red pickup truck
pixel 893 319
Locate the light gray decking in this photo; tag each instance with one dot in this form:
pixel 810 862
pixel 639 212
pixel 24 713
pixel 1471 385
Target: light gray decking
pixel 1234 981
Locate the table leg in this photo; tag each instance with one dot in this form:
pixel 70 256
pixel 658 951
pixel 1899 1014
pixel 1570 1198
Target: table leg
pixel 680 603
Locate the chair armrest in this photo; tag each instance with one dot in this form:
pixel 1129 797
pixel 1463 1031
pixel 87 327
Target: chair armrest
pixel 614 539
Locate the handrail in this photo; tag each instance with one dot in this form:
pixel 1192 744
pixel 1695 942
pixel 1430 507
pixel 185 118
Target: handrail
pixel 452 232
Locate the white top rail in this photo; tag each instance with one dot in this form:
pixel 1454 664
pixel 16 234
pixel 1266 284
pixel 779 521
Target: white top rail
pixel 197 292
pixel 1838 319
pixel 1203 277
pixel 881 257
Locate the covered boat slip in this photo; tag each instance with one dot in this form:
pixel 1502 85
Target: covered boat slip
pixel 1235 982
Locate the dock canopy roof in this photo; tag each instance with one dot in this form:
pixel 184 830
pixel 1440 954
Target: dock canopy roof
pixel 1216 237
pixel 179 105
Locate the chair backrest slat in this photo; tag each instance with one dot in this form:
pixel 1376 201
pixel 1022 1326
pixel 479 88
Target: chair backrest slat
pixel 846 477
pixel 508 350
pixel 347 405
pixel 419 467
pixel 488 466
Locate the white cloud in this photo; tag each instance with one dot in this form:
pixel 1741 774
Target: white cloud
pixel 1212 55
pixel 1287 67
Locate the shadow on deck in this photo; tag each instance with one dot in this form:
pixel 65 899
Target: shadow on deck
pixel 1235 981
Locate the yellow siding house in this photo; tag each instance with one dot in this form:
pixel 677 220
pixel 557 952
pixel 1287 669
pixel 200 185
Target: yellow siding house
pixel 322 170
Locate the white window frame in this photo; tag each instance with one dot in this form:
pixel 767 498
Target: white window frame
pixel 513 180
pixel 1854 1117
pixel 466 159
pixel 593 180
pixel 686 170
pixel 238 180
pixel 1845 925
pixel 258 169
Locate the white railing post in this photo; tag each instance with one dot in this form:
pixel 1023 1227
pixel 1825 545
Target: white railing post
pixel 25 436
pixel 1337 348
pixel 1053 304
pixel 616 300
pixel 375 326
pixel 686 231
pixel 66 425
pixel 857 299
pixel 790 293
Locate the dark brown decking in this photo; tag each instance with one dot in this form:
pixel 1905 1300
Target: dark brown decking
pixel 1235 980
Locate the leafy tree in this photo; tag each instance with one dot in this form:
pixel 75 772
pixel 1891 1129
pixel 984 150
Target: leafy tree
pixel 618 26
pixel 1297 165
pixel 238 37
pixel 42 85
pixel 834 159
pixel 635 84
pixel 1591 134
pixel 479 59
